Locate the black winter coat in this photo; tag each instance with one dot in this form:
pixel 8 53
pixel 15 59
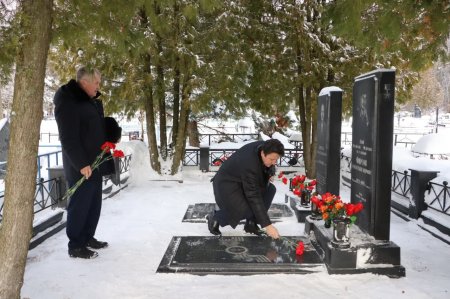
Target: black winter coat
pixel 81 128
pixel 240 184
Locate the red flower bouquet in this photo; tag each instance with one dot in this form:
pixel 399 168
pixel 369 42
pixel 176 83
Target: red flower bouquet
pixel 106 148
pixel 332 207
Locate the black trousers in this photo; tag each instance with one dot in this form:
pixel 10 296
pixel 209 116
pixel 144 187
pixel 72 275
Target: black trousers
pixel 83 211
pixel 222 217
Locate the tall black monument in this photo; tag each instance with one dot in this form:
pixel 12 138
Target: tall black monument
pixel 329 119
pixel 373 125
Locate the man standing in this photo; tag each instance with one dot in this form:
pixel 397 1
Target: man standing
pixel 81 127
pixel 243 190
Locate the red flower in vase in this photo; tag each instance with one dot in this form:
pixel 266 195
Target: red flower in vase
pixel 332 207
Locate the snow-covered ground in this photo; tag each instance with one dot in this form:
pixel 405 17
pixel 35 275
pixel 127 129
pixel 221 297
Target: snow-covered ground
pixel 140 221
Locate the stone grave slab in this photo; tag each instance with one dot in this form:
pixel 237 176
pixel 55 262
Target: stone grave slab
pixel 239 255
pixel 365 254
pixel 197 212
pixel 301 211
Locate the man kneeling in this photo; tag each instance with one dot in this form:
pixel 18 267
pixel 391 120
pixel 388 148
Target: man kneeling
pixel 243 189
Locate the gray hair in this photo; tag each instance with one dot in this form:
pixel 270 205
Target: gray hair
pixel 85 72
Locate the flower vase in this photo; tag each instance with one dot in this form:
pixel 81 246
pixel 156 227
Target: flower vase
pixel 305 197
pixel 341 233
pixel 327 223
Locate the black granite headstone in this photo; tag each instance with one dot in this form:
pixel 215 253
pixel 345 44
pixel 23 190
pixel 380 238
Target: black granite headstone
pixel 364 255
pixel 329 140
pixel 204 158
pixel 198 212
pixel 239 255
pixel 373 124
pixel 419 184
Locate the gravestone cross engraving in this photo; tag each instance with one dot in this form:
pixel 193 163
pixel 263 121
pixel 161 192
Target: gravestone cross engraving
pixel 372 137
pixel 329 140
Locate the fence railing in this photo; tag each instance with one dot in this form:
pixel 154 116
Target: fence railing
pixel 50 192
pixel 439 201
pixel 291 158
pixel 407 138
pixel 401 182
pixel 48 159
pixel 217 138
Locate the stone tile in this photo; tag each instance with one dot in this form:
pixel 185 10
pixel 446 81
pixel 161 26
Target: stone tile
pixel 198 212
pixel 239 255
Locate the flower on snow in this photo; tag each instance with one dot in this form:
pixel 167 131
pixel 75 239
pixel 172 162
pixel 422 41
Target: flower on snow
pixel 300 248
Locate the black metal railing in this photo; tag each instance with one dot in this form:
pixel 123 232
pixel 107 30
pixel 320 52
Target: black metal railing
pixel 401 182
pixel 439 200
pixel 191 157
pixel 291 158
pixel 45 195
pixel 49 193
pixel 48 159
pixel 217 138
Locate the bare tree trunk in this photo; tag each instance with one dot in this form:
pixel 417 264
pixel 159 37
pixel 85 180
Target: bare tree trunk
pixel 1 102
pixel 162 110
pixel 176 78
pixel 16 228
pixel 160 92
pixel 180 145
pixel 307 148
pixel 194 138
pixel 176 101
pixel 150 116
pixel 312 171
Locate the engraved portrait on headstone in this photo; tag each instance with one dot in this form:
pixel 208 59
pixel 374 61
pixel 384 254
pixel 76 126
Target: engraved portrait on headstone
pixel 362 109
pixel 372 136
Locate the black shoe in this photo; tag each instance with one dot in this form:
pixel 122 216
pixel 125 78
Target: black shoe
pixel 213 225
pixel 96 244
pixel 252 228
pixel 83 253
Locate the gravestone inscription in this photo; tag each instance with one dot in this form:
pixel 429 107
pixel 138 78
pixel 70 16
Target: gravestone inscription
pixel 372 137
pixel 329 140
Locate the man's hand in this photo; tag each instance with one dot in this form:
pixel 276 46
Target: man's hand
pixel 86 171
pixel 272 231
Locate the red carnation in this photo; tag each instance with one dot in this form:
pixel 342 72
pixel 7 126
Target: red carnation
pixel 118 154
pixel 108 146
pixel 284 180
pixel 358 207
pixel 300 248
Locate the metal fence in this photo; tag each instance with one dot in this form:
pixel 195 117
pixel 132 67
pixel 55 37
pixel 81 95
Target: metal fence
pixel 48 160
pixel 440 197
pixel 50 192
pixel 291 158
pixel 401 182
pixel 217 138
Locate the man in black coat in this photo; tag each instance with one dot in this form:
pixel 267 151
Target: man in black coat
pixel 243 190
pixel 81 126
